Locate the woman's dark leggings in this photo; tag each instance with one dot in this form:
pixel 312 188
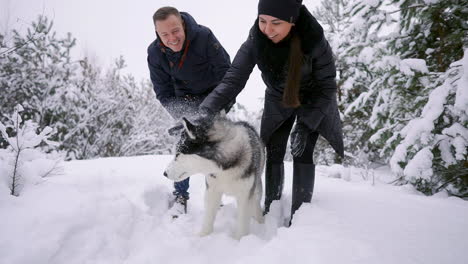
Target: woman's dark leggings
pixel 276 146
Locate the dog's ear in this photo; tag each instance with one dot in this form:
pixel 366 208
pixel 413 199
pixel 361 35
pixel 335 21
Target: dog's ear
pixel 176 130
pixel 189 128
pixel 222 114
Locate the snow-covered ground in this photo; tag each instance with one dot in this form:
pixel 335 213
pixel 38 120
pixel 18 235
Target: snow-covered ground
pixel 114 210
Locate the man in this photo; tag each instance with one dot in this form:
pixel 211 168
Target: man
pixel 186 63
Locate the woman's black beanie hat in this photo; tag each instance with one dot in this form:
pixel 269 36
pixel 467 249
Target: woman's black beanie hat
pixel 287 10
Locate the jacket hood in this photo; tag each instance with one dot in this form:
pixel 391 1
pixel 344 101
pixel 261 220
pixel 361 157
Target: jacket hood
pixel 191 26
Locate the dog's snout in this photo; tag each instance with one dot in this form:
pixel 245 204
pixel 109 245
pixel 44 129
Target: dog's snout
pixel 165 174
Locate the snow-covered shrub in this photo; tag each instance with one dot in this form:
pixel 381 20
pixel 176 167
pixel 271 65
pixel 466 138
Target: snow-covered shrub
pixel 115 116
pixel 94 114
pixel 18 162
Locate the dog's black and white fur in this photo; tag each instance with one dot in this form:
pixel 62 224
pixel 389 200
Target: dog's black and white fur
pixel 231 156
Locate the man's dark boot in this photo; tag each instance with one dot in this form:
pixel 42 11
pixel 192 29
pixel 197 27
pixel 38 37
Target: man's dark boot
pixel 274 179
pixel 179 207
pixel 303 185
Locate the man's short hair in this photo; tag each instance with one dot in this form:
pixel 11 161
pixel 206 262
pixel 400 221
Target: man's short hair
pixel 164 12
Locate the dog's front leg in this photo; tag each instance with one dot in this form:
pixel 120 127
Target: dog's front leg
pixel 212 202
pixel 243 216
pixel 257 209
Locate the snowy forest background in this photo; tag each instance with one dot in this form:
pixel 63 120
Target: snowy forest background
pixel 403 96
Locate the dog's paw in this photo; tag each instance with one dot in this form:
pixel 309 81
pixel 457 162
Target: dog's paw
pixel 204 232
pixel 260 219
pixel 238 235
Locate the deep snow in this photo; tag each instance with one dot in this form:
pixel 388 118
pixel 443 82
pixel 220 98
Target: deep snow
pixel 114 210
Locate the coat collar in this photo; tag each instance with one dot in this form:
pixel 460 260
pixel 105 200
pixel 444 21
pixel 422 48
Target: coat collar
pixel 310 31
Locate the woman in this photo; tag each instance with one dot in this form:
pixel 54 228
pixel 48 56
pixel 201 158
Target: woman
pixel 288 46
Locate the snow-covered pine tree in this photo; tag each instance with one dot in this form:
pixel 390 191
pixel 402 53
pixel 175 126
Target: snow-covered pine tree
pixel 331 16
pixel 431 150
pixel 401 66
pixel 35 70
pixel 433 30
pixel 361 46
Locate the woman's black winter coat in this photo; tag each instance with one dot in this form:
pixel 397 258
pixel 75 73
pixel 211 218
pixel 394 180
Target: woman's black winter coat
pixel 318 110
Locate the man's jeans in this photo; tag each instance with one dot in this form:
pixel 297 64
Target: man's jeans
pixel 181 188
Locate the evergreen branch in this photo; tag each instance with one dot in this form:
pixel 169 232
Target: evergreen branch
pixel 406 8
pixel 400 181
pixel 450 180
pixel 29 40
pixel 10 50
pixel 55 170
pixel 15 168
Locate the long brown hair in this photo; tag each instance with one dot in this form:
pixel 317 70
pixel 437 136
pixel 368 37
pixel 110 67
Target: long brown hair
pixel 293 81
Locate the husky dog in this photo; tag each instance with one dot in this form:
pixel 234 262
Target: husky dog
pixel 231 156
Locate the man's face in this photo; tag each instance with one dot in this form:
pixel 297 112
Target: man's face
pixel 171 32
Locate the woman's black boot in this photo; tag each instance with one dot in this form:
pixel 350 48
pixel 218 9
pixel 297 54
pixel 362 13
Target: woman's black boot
pixel 303 185
pixel 274 179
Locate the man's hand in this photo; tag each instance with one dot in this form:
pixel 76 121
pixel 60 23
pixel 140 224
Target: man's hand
pixel 205 117
pixel 299 136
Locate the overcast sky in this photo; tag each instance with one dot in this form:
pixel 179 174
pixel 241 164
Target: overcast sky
pixel 106 29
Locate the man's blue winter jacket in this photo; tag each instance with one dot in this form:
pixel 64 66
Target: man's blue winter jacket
pixel 183 79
